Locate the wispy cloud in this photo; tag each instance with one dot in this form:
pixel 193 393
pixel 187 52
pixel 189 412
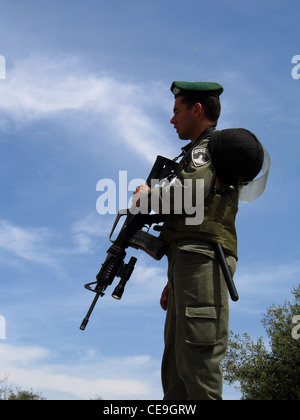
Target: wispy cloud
pixel 40 87
pixel 91 225
pixel 29 244
pixel 262 277
pixel 263 285
pixel 135 377
pixel 46 246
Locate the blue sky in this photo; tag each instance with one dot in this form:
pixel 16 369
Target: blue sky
pixel 86 95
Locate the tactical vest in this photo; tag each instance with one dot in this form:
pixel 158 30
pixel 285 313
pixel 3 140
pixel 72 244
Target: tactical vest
pixel 220 210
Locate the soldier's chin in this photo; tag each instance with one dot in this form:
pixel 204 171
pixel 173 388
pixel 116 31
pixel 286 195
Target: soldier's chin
pixel 183 136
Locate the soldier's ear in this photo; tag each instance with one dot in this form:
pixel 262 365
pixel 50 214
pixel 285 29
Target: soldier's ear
pixel 198 109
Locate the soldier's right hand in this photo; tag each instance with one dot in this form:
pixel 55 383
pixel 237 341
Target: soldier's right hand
pixel 164 298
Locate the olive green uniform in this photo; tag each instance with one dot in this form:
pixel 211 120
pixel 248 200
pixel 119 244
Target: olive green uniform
pixel 196 329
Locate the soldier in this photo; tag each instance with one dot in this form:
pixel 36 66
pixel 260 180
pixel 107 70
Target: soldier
pixel 196 296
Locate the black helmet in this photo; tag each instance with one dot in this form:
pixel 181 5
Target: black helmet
pixel 237 155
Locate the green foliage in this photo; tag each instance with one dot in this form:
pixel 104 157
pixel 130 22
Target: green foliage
pixel 267 371
pixel 8 394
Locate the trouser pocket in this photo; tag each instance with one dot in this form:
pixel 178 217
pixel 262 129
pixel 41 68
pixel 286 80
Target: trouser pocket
pixel 201 326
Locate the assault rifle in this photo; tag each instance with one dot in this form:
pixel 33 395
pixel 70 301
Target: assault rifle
pixel 131 235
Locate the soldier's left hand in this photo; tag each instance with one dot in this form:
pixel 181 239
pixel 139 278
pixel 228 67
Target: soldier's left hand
pixel 138 193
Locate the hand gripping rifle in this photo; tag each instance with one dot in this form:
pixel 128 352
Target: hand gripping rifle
pixel 131 235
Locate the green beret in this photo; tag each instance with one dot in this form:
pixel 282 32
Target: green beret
pixel 205 88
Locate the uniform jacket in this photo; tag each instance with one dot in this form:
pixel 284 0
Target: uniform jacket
pixel 220 208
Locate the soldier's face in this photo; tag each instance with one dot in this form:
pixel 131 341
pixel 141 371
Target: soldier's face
pixel 183 120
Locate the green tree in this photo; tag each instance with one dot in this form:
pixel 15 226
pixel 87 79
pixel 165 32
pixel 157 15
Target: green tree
pixel 7 393
pixel 268 371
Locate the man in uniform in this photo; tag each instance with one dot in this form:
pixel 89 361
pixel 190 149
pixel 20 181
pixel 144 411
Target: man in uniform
pixel 196 296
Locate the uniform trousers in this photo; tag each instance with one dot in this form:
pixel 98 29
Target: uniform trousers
pixel 196 327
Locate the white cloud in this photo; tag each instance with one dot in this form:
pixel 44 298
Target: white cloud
pixel 46 246
pixel 30 244
pixel 92 224
pixel 263 277
pixel 263 285
pixel 40 87
pixel 148 281
pixel 135 377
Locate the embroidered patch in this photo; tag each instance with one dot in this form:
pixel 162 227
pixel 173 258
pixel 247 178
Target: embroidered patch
pixel 200 156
